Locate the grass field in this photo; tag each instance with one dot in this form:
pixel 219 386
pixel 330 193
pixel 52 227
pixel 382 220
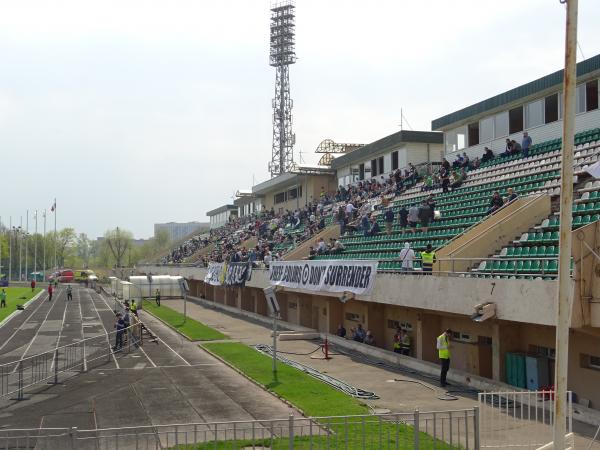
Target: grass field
pixel 191 329
pixel 16 296
pixel 316 399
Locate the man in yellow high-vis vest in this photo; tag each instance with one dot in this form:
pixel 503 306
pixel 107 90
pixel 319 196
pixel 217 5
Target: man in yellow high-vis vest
pixel 443 346
pixel 427 260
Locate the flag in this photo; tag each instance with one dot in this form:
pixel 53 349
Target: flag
pixel 53 207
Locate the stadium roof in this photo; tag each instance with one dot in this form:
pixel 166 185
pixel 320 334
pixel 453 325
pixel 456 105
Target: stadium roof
pixel 221 209
pixel 423 137
pixel 541 84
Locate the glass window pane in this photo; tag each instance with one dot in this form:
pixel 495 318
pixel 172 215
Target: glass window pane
pixel 534 114
pixel 515 120
pixel 473 133
pixel 551 108
pixel 580 102
pixel 501 124
pixel 591 95
pixel 486 130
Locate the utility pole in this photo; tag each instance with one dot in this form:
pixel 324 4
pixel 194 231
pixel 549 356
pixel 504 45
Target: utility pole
pixel 563 309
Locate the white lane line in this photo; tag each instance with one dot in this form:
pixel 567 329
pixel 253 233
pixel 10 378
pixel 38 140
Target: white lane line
pixel 105 331
pixel 37 332
pixel 129 337
pixel 82 332
pixel 169 347
pixel 62 326
pixel 176 366
pixel 42 303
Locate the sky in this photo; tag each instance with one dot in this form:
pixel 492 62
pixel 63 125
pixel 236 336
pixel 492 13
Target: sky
pixel 145 111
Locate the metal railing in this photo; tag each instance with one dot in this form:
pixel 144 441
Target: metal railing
pixel 454 429
pixel 78 357
pixel 519 419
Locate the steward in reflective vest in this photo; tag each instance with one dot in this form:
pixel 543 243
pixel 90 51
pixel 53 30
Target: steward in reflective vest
pixel 397 342
pixel 427 260
pixel 443 348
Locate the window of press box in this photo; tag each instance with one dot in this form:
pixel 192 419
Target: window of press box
pixel 551 108
pixel 373 167
pixel 295 193
pixel 361 171
pixel 473 133
pixel 279 198
pixel 515 120
pixel 380 163
pixel 394 160
pixel 591 95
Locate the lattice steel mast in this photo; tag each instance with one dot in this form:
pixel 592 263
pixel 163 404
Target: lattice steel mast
pixel 281 56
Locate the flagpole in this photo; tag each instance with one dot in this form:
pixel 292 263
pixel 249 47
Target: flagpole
pixel 0 246
pixel 20 244
pixel 26 241
pixel 44 248
pixel 55 235
pixel 10 233
pixel 35 248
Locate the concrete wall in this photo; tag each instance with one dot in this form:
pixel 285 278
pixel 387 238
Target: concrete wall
pixel 526 301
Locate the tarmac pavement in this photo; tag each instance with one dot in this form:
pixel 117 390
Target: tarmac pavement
pixel 163 382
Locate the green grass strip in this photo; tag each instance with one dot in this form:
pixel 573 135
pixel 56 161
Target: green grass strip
pixel 192 329
pixel 307 393
pixel 16 296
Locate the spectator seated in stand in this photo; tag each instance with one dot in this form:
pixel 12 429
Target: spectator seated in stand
pixel 358 334
pixel 496 203
pixel 488 155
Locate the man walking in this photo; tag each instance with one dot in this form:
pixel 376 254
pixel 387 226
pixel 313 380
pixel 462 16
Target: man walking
pixel 3 299
pixel 50 290
pixel 157 297
pixel 69 292
pixel 443 348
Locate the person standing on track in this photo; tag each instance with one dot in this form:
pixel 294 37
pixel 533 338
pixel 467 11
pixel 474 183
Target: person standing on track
pixel 50 290
pixel 119 326
pixel 3 298
pixel 157 297
pixel 443 347
pixel 69 292
pixel 33 285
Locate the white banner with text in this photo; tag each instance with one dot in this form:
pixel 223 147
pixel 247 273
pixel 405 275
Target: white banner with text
pixel 333 275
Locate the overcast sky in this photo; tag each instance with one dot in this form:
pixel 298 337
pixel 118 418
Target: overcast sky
pixel 136 112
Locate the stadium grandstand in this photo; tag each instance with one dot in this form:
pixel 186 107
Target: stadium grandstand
pixel 482 190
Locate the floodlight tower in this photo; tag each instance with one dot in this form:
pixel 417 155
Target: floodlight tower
pixel 281 56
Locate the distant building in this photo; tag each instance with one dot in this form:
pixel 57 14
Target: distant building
pixel 178 231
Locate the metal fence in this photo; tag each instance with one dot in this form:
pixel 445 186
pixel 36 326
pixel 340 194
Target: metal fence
pixel 66 360
pixel 519 419
pixel 441 430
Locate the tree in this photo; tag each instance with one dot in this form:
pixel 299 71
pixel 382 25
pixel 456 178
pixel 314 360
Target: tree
pixel 118 242
pixel 83 248
pixel 64 242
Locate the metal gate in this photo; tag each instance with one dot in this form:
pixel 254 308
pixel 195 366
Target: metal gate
pixel 519 419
